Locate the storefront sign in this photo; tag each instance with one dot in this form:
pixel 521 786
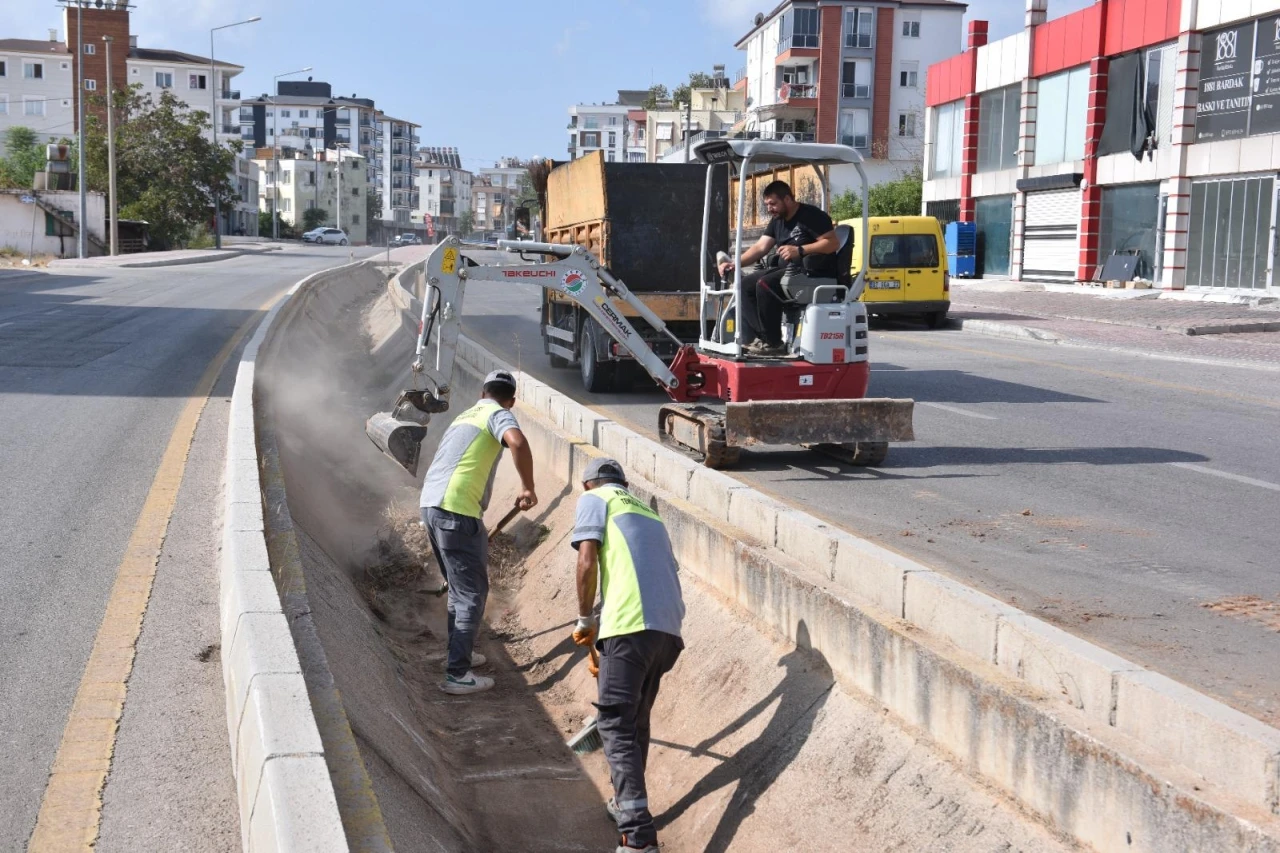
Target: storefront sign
pixel 1264 117
pixel 1226 83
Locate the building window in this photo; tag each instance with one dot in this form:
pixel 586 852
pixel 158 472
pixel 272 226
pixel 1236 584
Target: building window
pixel 196 81
pixel 799 29
pixel 286 204
pixel 33 106
pixel 855 80
pixel 613 139
pixel 911 25
pixel 33 70
pixel 355 219
pixel 1060 119
pixel 908 75
pixel 4 68
pixel 998 129
pixel 906 124
pixel 286 178
pixel 948 136
pixel 304 113
pixel 355 192
pixel 854 128
pixel 609 156
pixel 164 79
pixel 590 122
pixel 591 140
pixel 858 27
pixel 1229 243
pixel 91 85
pixel 613 121
pixel 1160 73
pixel 284 114
pixel 90 49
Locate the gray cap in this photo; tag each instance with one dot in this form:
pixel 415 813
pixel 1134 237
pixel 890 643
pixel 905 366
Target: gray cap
pixel 502 376
pixel 603 469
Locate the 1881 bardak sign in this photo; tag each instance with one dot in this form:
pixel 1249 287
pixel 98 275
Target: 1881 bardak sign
pixel 1239 81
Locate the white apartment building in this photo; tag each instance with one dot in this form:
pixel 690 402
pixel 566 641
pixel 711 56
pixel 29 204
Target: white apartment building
pixel 712 112
pixel 36 84
pixel 395 167
pixel 444 191
pixel 611 128
pixel 187 77
pixel 848 72
pixel 307 182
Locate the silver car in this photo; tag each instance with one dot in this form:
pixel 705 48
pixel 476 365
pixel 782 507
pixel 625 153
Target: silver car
pixel 331 236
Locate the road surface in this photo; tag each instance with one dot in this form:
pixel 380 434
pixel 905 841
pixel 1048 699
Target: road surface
pixel 95 368
pixel 1128 500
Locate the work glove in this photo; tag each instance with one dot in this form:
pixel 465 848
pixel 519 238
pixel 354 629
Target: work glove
pixel 584 633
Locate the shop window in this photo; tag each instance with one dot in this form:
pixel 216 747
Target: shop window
pixel 998 129
pixel 1130 219
pixel 1228 243
pixel 1160 73
pixel 948 139
pixel 1060 119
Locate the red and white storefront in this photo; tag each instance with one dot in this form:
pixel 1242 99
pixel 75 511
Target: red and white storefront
pixel 1145 129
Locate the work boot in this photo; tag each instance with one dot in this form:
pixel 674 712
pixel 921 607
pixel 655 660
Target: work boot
pixel 469 683
pixel 754 347
pixel 611 806
pixel 625 847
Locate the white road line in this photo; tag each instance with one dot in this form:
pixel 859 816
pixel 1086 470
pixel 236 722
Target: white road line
pixel 955 410
pixel 1262 484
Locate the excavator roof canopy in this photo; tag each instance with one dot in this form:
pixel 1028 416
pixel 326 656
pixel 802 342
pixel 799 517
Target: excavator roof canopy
pixel 774 152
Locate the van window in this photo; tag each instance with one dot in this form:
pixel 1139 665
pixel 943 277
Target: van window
pixel 904 250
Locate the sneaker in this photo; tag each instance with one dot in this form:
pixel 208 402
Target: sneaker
pixel 469 683
pixel 478 659
pixel 625 847
pixel 611 807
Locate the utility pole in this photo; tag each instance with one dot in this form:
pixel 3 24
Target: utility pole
pixel 111 155
pixel 213 122
pixel 688 124
pixel 82 241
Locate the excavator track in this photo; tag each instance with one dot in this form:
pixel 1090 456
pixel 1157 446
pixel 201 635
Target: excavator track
pixel 699 432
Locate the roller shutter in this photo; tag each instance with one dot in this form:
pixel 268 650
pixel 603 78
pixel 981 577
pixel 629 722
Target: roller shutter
pixel 1051 236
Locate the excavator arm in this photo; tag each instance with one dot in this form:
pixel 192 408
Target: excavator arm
pixel 572 270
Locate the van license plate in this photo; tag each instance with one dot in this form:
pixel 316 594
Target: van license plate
pixel 884 285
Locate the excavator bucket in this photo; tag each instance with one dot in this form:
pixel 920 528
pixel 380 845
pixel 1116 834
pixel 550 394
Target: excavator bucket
pixel 399 433
pixel 818 421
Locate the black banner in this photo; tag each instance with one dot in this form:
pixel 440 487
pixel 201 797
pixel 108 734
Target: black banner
pixel 1265 114
pixel 1226 83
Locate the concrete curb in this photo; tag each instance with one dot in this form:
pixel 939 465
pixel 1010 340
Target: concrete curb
pixel 221 255
pixel 1106 752
pixel 283 787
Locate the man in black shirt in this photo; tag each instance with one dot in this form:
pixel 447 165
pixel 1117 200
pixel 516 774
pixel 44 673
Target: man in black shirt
pixel 799 231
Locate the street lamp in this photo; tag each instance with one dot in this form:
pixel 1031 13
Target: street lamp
pixel 275 150
pixel 213 121
pixel 111 156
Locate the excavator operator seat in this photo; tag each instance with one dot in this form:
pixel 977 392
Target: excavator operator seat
pixel 800 287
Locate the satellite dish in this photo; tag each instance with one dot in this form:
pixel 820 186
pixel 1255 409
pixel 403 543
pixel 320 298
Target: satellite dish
pixel 759 19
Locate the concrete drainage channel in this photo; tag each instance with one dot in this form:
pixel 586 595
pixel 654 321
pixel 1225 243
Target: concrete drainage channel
pixel 831 689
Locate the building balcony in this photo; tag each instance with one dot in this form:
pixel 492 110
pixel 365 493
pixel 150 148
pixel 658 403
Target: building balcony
pixel 797 45
pixel 229 95
pixel 232 129
pixel 246 114
pixel 798 94
pixel 366 121
pixel 859 40
pixel 246 131
pixel 855 90
pixel 342 119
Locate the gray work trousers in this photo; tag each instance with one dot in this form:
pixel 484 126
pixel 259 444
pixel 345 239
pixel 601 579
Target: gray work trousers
pixel 461 546
pixel 631 669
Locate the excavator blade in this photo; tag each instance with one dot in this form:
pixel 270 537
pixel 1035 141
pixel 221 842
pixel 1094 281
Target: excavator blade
pixel 399 439
pixel 818 421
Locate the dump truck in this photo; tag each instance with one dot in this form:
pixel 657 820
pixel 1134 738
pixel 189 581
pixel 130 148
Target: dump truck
pixel 643 221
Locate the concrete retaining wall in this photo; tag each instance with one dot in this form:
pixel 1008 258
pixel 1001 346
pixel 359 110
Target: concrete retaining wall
pixel 1112 755
pixel 283 786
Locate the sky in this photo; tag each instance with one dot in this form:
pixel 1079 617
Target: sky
pixel 492 78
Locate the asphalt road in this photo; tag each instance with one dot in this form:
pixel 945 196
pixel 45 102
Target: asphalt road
pixel 95 366
pixel 1128 500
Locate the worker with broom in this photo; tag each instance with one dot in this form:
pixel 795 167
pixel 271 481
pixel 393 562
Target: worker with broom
pixel 637 633
pixel 455 494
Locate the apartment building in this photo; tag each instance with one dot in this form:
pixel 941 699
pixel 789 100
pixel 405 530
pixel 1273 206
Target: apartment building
pixel 444 191
pixel 607 127
pixel 1135 131
pixel 716 111
pixel 305 115
pixel 335 181
pixel 491 205
pixel 37 78
pixel 394 162
pixel 848 72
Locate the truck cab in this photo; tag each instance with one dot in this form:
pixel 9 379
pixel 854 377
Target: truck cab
pixel 907 267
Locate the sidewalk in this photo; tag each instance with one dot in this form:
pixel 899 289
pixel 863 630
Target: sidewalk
pixel 1149 322
pixel 176 258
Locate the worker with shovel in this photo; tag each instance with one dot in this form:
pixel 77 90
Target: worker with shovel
pixel 637 633
pixel 455 494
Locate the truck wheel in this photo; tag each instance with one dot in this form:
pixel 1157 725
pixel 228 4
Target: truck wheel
pixel 936 319
pixel 868 454
pixel 597 377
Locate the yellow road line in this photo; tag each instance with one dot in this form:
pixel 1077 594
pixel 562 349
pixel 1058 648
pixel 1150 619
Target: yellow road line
pixel 71 810
pixel 1093 371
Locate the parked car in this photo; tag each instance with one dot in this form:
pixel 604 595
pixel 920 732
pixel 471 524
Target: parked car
pixel 330 236
pixel 409 240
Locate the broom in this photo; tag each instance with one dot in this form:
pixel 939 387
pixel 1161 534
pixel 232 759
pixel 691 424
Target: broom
pixel 588 739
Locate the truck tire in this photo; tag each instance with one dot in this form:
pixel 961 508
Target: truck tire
pixel 597 377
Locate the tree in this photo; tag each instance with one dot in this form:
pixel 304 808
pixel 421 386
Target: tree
pixel 657 92
pixel 466 222
pixel 313 217
pixel 168 170
pixel 683 93
pixel 901 197
pixel 525 195
pixel 25 155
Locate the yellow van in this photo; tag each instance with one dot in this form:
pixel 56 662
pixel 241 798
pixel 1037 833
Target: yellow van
pixel 907 273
